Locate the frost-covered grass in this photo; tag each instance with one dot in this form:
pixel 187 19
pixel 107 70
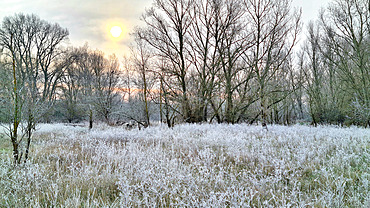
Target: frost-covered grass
pixel 191 166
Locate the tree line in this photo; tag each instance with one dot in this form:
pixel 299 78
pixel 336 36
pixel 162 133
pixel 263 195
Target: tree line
pixel 224 61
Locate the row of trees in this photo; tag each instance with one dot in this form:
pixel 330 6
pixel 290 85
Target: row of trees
pixel 193 61
pixel 233 61
pixel 220 60
pixel 335 64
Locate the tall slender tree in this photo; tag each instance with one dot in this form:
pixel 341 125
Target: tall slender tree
pixel 167 29
pixel 33 45
pixel 275 30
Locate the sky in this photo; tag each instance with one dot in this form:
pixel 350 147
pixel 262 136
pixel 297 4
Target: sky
pixel 89 21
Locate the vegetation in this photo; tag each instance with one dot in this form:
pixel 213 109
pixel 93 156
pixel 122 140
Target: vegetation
pixel 193 62
pixel 191 165
pixel 228 61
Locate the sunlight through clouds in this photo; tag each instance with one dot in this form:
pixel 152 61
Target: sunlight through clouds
pixel 88 21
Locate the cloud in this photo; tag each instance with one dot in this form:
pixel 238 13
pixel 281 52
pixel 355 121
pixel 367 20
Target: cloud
pixel 86 20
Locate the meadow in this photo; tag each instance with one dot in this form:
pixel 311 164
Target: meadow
pixel 191 165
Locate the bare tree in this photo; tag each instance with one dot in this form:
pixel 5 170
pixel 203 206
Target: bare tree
pixel 346 40
pixel 141 60
pixel 275 29
pixel 167 31
pixel 204 56
pixel 71 87
pixel 90 84
pixel 106 87
pixel 233 40
pixel 33 45
pixel 314 74
pixel 167 106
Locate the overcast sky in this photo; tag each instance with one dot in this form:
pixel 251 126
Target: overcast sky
pixel 89 20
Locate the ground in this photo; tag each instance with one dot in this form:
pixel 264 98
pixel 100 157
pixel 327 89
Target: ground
pixel 207 165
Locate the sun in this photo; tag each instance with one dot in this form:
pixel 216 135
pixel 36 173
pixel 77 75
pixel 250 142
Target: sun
pixel 116 31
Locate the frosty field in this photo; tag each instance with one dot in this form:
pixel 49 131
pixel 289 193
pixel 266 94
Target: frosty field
pixel 206 165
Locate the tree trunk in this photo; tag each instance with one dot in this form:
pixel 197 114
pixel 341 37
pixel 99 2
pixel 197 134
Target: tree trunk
pixel 30 126
pixel 146 99
pixel 90 118
pixel 16 120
